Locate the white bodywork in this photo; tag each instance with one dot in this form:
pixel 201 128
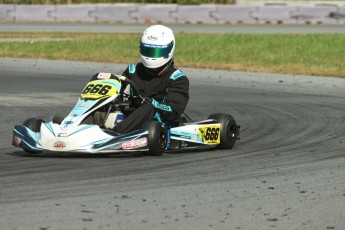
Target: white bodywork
pixel 75 138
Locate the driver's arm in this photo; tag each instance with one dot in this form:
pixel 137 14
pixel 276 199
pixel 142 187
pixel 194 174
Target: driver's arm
pixel 175 100
pixel 125 87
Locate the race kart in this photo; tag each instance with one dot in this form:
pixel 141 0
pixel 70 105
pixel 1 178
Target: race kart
pixel 89 126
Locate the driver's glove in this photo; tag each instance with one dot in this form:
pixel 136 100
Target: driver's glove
pixel 147 100
pixel 138 100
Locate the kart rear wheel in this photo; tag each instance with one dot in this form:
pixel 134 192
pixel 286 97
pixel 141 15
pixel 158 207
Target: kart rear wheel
pixel 157 139
pixel 35 125
pixel 229 132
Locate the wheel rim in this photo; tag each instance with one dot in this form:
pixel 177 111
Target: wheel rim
pixel 162 140
pixel 233 133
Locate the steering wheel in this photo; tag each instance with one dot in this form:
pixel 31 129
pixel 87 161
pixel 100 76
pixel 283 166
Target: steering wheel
pixel 134 87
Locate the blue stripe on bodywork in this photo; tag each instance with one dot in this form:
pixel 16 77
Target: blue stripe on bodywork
pixel 177 74
pixel 101 141
pixel 50 128
pixel 28 137
pixel 25 132
pixel 82 129
pixel 131 68
pixel 119 140
pixel 30 146
pixel 157 105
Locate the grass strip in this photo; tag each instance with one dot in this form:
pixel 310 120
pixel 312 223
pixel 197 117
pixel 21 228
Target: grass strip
pixel 307 54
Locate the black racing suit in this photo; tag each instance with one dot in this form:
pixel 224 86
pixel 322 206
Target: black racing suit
pixel 167 89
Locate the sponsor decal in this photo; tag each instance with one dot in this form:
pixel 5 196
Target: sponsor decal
pixel 118 121
pixel 67 123
pixel 134 144
pixel 83 105
pixel 154 46
pixel 185 137
pixel 62 135
pixel 119 118
pixel 209 134
pixel 16 140
pixel 59 145
pixel 104 75
pixel 152 38
pixel 161 106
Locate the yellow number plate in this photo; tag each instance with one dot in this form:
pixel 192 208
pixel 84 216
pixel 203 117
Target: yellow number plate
pixel 98 89
pixel 210 134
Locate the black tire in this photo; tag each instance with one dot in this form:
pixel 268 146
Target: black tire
pixel 157 140
pixel 35 125
pixel 229 131
pixel 57 119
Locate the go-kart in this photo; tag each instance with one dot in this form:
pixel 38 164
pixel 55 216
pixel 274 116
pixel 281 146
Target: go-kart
pixel 89 126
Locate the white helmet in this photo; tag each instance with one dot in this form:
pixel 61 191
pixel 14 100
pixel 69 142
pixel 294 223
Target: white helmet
pixel 157 46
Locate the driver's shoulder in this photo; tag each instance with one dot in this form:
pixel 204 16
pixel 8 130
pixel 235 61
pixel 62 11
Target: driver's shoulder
pixel 175 74
pixel 133 67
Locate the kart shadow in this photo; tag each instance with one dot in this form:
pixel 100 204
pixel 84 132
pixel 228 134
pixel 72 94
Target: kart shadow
pixel 77 155
pixel 107 155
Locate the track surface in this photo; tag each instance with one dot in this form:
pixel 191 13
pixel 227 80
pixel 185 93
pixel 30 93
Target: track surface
pixel 287 172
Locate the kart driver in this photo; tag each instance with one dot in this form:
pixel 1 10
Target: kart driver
pixel 163 87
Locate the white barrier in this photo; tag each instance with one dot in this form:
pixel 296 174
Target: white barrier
pixel 289 2
pixel 315 15
pixel 173 13
pixel 275 14
pixel 72 13
pixel 195 14
pixel 235 14
pixel 118 13
pixel 32 12
pixel 339 15
pixel 5 11
pixel 155 13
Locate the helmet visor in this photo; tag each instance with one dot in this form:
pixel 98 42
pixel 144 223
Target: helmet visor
pixel 155 51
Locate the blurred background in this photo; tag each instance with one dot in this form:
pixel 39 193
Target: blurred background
pixel 176 11
pixel 231 2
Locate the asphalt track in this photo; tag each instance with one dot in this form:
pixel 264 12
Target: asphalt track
pixel 177 28
pixel 287 172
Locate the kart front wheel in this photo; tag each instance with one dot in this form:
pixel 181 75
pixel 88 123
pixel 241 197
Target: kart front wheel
pixel 229 132
pixel 157 139
pixel 57 119
pixel 35 125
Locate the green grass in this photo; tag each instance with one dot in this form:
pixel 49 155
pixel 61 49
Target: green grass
pixel 309 54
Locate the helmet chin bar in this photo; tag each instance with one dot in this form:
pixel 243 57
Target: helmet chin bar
pixel 154 63
pixel 159 70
